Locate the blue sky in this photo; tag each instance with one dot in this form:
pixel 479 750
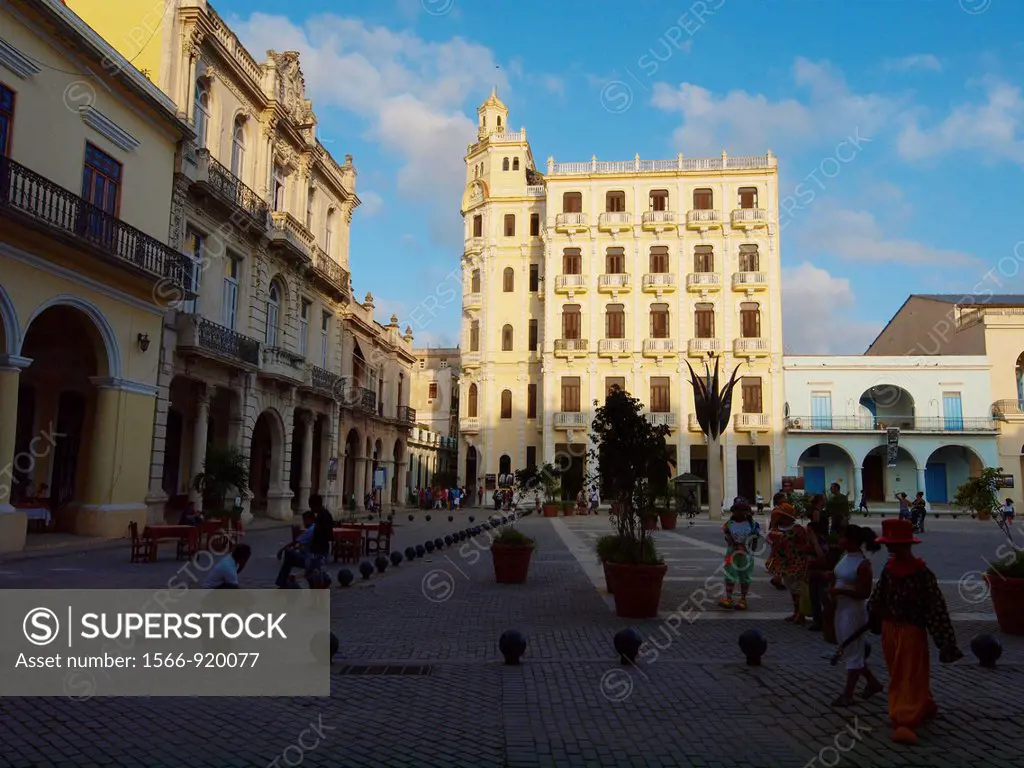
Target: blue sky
pixel 899 127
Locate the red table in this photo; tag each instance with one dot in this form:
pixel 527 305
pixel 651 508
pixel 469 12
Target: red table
pixel 174 533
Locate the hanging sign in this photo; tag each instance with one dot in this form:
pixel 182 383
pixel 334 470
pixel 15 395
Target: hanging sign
pixel 332 470
pixel 892 445
pixel 378 478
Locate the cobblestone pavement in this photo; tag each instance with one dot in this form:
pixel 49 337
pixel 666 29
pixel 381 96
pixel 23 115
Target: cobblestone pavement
pixel 692 702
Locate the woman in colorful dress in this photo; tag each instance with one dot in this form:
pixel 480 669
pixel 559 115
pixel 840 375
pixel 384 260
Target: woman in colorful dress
pixel 790 542
pixel 907 606
pixel 741 534
pixel 852 588
pixel 772 564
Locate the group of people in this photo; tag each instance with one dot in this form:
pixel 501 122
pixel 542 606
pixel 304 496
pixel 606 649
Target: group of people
pixel 441 498
pixel 904 606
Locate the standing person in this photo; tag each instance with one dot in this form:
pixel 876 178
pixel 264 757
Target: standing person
pixel 773 563
pixel 1008 512
pixel 581 502
pixel 790 548
pixel 863 506
pixel 817 563
pixel 480 496
pixel 907 605
pixel 918 509
pixel 904 513
pixel 319 543
pixel 741 533
pixel 759 500
pixel 852 588
pixel 595 500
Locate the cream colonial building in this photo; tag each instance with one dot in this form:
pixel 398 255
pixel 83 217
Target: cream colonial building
pixel 944 328
pixel 842 411
pixel 435 396
pixel 86 178
pixel 590 274
pixel 274 356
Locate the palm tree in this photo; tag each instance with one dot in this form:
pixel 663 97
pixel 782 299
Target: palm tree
pixel 224 469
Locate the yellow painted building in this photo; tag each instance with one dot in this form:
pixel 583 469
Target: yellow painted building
pixel 435 396
pixel 86 171
pixel 274 356
pixel 980 324
pixel 583 275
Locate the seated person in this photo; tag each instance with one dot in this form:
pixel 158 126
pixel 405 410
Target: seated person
pixel 224 574
pixel 294 555
pixel 190 516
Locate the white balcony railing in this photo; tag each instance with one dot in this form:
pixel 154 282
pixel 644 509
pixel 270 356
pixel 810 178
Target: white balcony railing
pixel 570 220
pixel 745 280
pixel 659 346
pixel 659 217
pixel 659 280
pixel 535 190
pixel 615 219
pixel 750 346
pixel 570 282
pixel 750 216
pixel 746 422
pixel 570 420
pixel 617 346
pixel 613 280
pixel 469 424
pixel 571 345
pixel 700 347
pixel 703 280
pixel 704 216
pixel 470 359
pixel 636 165
pixel 656 419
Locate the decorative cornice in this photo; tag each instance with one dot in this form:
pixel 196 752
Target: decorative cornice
pixel 14 363
pixel 124 385
pixel 108 128
pixel 16 61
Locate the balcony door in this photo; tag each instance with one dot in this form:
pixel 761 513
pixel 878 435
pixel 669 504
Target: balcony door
pixel 101 188
pixel 821 410
pixel 952 412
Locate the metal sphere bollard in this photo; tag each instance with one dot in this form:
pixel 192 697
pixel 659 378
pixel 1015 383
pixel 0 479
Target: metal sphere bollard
pixel 987 649
pixel 410 553
pixel 429 545
pixel 627 644
pixel 420 550
pixel 512 645
pixel 382 563
pixel 366 568
pixel 396 558
pixel 345 577
pixel 438 543
pixel 754 645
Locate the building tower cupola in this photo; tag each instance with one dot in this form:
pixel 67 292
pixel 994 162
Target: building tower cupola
pixel 493 116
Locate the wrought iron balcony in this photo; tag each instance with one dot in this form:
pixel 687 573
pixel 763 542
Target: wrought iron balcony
pixel 406 415
pixel 322 381
pixel 330 273
pixel 230 190
pixel 366 399
pixel 829 423
pixel 197 335
pixel 43 204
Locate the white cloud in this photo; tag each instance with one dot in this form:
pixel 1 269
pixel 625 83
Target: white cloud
pixel 370 203
pixel 992 129
pixel 918 61
pixel 409 91
pixel 856 236
pixel 743 122
pixel 812 314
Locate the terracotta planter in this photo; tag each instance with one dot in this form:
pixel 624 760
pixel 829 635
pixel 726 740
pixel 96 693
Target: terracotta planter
pixel 608 579
pixel 984 514
pixel 651 523
pixel 568 510
pixel 668 521
pixel 550 510
pixel 1008 602
pixel 637 589
pixel 511 563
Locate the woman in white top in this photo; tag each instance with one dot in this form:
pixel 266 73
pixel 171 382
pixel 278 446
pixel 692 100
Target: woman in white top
pixel 853 578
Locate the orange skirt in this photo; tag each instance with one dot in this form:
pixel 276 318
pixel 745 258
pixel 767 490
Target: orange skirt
pixel 905 648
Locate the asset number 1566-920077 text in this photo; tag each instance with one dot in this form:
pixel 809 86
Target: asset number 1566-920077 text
pixel 200 660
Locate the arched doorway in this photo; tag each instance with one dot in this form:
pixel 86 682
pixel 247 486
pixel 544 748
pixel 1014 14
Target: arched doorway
pixel 887 405
pixel 396 479
pixel 822 464
pixel 266 458
pixel 351 463
pixel 59 409
pixel 947 469
pixel 882 482
pixel 471 476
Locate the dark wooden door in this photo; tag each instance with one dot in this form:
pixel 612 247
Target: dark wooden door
pixel 874 478
pixel 746 478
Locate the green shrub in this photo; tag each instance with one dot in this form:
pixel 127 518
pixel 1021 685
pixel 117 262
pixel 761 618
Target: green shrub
pixel 1010 567
pixel 511 537
pixel 606 547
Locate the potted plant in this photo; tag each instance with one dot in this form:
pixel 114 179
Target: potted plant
pixel 511 551
pixel 607 546
pixel 568 508
pixel 979 495
pixel 225 469
pixel 666 509
pixel 632 457
pixel 1006 585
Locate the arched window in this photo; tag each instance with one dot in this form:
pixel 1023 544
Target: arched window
pixel 508 280
pixel 515 163
pixel 310 204
pixel 499 121
pixel 506 338
pixel 750 320
pixel 471 407
pixel 202 112
pixel 505 464
pixel 329 231
pixel 238 148
pixel 506 404
pixel 504 164
pixel 273 313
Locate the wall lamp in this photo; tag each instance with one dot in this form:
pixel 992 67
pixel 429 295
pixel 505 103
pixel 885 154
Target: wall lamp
pixel 143 341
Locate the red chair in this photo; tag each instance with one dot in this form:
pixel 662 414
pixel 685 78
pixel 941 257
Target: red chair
pixel 142 547
pixel 380 544
pixel 348 545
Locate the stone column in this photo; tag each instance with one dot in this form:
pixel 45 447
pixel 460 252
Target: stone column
pixel 13 524
pixel 306 467
pixel 921 482
pixel 102 464
pixel 199 435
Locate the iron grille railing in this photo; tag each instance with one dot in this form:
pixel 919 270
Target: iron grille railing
pixel 30 194
pixel 229 343
pixel 406 414
pixel 367 399
pixel 330 270
pixel 321 379
pixel 235 192
pixel 879 424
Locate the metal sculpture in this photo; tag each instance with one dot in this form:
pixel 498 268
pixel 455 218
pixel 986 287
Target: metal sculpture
pixel 713 406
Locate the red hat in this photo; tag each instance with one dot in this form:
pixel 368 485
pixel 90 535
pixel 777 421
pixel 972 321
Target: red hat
pixel 897 532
